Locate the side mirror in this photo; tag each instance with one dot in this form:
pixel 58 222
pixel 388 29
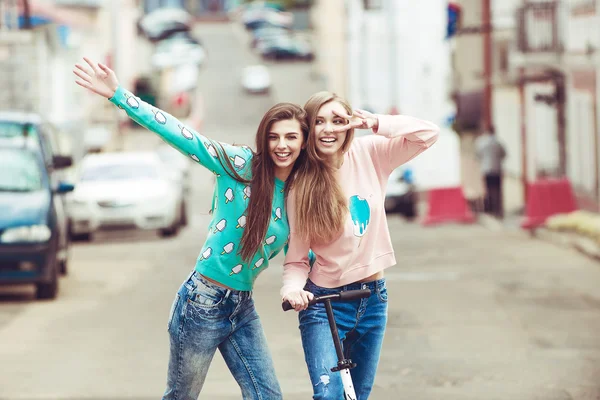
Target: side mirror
pixel 64 187
pixel 62 161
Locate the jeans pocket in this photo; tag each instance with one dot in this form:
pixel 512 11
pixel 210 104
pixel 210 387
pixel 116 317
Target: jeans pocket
pixel 205 297
pixel 172 312
pixel 382 294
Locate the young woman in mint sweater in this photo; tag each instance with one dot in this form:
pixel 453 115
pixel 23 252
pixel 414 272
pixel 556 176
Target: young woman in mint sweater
pixel 214 309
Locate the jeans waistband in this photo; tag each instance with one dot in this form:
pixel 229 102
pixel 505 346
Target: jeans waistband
pixel 372 285
pixel 378 284
pixel 195 279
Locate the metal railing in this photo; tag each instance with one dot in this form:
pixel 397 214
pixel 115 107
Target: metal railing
pixel 539 27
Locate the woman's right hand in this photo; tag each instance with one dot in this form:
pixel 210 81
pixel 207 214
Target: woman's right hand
pixel 299 299
pixel 97 78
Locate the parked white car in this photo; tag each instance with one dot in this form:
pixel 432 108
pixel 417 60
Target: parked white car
pixel 125 190
pixel 256 79
pixel 178 162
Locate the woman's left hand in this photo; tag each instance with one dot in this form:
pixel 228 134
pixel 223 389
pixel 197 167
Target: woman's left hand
pixel 359 119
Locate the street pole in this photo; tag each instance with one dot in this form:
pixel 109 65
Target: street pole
pixel 486 24
pixel 391 11
pixel 523 116
pixel 114 25
pixel 26 15
pixel 363 65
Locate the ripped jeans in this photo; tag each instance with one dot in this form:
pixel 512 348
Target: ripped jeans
pixel 361 326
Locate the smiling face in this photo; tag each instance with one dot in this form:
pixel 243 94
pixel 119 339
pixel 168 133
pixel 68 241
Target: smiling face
pixel 325 145
pixel 286 141
pixel 327 142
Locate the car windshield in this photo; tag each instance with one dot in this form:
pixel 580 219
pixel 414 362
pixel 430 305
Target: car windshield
pixel 119 172
pixel 21 172
pixel 15 132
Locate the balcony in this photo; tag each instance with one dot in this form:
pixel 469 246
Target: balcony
pixel 540 28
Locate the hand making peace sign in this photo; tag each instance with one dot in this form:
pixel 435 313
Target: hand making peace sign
pixel 359 119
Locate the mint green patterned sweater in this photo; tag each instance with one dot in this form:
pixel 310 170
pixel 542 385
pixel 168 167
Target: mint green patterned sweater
pixel 218 259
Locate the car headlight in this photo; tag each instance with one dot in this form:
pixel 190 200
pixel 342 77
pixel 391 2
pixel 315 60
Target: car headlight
pixel 33 233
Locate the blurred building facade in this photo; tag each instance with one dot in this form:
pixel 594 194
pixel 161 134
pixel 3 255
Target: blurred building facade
pixel 391 57
pixel 545 67
pixel 37 62
pixel 386 56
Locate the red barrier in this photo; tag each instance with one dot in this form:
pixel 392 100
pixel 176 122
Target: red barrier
pixel 547 197
pixel 447 205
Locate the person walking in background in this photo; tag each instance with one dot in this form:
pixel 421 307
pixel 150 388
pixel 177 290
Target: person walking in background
pixel 213 308
pixel 491 154
pixel 336 210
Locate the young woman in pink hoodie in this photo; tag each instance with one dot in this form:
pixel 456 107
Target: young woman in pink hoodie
pixel 336 209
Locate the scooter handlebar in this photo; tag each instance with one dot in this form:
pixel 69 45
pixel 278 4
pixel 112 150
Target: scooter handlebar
pixel 347 295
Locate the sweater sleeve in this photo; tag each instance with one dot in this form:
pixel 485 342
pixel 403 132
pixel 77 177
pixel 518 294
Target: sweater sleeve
pixel 407 138
pixel 297 263
pixel 190 143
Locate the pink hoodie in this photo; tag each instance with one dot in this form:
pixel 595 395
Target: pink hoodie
pixel 364 247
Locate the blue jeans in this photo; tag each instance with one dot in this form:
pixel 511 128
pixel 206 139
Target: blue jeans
pixel 205 317
pixel 361 326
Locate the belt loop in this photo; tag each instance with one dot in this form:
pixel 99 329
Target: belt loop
pixel 227 293
pixel 191 279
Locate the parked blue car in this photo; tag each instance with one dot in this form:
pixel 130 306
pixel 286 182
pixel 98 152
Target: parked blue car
pixel 30 230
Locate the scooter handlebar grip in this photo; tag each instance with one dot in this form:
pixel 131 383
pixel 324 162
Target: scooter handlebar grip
pixel 286 306
pixel 355 294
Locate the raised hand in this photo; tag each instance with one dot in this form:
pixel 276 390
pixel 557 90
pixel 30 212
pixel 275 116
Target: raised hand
pixel 359 119
pixel 97 78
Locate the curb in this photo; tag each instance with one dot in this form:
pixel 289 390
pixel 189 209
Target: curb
pixel 582 244
pixel 571 240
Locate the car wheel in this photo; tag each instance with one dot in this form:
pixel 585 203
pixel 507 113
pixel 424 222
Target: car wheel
pixel 48 290
pixel 172 230
pixel 168 232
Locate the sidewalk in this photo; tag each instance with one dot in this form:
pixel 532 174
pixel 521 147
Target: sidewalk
pixel 514 207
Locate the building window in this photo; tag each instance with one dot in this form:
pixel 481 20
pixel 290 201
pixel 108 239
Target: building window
pixel 503 55
pixel 373 4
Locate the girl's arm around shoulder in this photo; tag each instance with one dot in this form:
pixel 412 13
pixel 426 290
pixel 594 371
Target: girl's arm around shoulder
pixel 407 138
pixel 189 142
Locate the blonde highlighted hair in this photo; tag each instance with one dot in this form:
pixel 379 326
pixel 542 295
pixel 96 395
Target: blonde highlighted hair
pixel 321 205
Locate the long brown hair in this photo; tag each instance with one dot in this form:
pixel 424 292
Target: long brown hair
pixel 321 206
pixel 262 180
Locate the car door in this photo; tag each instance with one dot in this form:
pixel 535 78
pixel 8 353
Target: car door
pixel 49 144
